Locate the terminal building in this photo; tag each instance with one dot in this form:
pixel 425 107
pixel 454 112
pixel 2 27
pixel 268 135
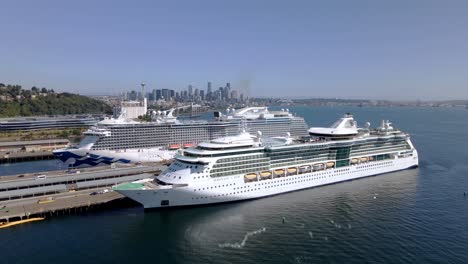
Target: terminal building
pixel 50 122
pixel 131 109
pixel 12 188
pixel 33 145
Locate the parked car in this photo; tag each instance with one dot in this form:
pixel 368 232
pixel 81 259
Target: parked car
pixel 41 177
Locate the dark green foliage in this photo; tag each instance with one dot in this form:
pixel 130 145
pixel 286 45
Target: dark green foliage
pixel 76 132
pixel 15 101
pixel 146 118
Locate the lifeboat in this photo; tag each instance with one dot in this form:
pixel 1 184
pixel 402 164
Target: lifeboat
pixel 188 145
pixel 304 168
pixel 292 170
pixel 265 174
pixel 354 161
pixel 279 172
pixel 330 164
pixel 371 158
pixel 318 166
pixel 174 146
pixel 364 159
pixel 251 176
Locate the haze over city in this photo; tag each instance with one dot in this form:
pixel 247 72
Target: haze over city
pixel 396 50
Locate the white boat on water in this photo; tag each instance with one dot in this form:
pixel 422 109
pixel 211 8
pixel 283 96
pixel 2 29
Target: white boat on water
pixel 246 167
pixel 121 140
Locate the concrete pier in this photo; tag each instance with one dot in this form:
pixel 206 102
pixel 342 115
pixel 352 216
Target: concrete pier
pixel 16 151
pixel 58 192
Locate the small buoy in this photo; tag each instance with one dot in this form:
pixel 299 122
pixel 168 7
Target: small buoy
pixel 284 219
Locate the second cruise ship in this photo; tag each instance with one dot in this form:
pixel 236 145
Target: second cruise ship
pixel 122 140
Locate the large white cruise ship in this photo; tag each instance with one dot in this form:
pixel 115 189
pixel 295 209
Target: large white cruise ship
pixel 123 140
pixel 246 167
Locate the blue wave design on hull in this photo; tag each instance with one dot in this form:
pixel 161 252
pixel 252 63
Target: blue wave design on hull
pixel 91 159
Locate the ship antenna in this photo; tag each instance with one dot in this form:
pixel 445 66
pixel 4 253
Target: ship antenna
pixel 243 126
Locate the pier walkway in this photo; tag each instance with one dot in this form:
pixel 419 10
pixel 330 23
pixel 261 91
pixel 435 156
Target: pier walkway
pixel 42 194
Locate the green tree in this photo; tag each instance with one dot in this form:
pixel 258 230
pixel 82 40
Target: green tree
pixel 60 103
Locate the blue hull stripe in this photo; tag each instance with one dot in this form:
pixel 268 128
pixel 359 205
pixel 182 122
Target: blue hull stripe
pixel 90 159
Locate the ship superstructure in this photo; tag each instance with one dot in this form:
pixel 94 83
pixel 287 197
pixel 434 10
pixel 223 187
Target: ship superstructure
pixel 121 140
pixel 246 167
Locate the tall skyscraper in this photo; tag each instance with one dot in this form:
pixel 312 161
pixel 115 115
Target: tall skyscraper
pixel 190 91
pixel 133 95
pixel 202 95
pixel 209 92
pixel 158 94
pixel 166 94
pixel 234 94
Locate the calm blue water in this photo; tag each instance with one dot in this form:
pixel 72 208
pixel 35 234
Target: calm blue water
pixel 31 166
pixel 417 216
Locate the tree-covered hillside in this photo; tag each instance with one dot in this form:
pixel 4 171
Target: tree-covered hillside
pixel 15 101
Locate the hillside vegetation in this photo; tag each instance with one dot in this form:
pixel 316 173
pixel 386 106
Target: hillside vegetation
pixel 16 101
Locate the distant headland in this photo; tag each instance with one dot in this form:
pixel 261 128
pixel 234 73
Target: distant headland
pixel 16 101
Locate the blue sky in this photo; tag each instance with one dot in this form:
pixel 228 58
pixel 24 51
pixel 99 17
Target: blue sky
pixel 345 49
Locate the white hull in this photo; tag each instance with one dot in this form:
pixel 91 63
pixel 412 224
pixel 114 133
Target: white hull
pixel 121 140
pixel 137 155
pixel 78 157
pixel 233 188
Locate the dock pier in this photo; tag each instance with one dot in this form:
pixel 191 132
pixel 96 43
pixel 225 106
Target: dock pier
pixel 17 151
pixel 55 193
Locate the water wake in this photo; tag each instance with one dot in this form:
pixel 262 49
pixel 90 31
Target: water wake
pixel 244 241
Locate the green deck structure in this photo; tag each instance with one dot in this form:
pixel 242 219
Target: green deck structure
pixel 128 186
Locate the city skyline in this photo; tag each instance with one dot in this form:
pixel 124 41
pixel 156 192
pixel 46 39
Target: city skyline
pixel 224 94
pixel 360 50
